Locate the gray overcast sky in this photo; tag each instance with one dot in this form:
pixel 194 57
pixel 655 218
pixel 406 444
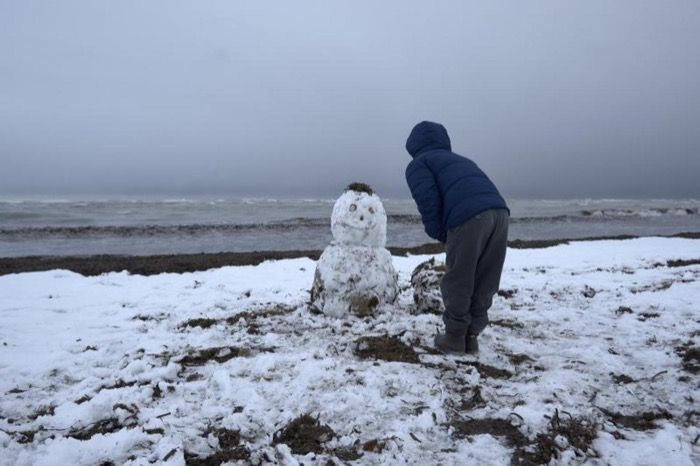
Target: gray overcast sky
pixel 551 98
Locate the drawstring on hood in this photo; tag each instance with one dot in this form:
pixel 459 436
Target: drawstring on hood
pixel 426 136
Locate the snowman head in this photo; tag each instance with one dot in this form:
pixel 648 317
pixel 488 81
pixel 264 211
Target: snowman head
pixel 358 217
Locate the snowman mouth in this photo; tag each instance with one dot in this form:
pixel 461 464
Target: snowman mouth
pixel 356 227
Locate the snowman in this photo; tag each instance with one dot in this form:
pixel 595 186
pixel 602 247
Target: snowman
pixel 355 273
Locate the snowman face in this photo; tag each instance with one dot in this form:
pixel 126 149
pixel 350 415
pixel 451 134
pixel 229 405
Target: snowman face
pixel 359 218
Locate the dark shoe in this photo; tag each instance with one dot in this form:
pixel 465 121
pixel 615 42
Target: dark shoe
pixel 472 345
pixel 449 343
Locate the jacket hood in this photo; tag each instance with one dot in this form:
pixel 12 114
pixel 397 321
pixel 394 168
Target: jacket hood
pixel 426 136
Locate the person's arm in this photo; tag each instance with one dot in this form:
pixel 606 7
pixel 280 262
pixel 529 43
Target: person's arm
pixel 425 192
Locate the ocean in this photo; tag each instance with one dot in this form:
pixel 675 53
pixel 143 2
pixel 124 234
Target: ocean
pixel 68 227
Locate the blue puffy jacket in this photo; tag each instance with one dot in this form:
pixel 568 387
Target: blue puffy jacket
pixel 449 189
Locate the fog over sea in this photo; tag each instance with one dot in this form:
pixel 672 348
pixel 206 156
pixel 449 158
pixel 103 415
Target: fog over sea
pixel 172 226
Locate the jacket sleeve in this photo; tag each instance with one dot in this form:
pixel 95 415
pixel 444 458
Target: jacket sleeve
pixel 424 190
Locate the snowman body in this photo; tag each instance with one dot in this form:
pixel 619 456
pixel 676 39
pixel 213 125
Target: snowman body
pixel 355 273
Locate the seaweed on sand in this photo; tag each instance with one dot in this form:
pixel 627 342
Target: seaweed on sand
pixel 508 323
pixel 304 434
pixel 487 371
pixel 229 448
pixel 385 347
pixel 218 457
pixel 641 421
pixel 202 322
pixel 219 354
pixel 690 355
pixel 578 433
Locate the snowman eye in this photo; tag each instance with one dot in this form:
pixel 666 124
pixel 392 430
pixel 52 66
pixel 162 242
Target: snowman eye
pixel 371 210
pixel 353 207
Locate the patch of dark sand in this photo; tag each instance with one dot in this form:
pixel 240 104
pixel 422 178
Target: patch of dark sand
pixel 539 244
pixel 304 434
pixel 253 329
pixel 548 243
pixel 103 426
pixel 229 448
pixel 193 377
pixel 487 371
pixel 272 310
pixel 385 348
pixel 691 417
pixel 494 427
pixel 346 453
pixel 427 349
pixel 623 310
pixel 157 392
pixel 240 453
pixel 145 265
pixel 507 294
pixel 181 263
pixel 641 421
pixel 48 410
pixel 578 432
pixel 203 322
pixel 472 402
pixel 507 323
pixel 622 379
pixel 423 249
pixel 687 234
pixel 536 244
pixel 519 358
pixel 588 292
pixel 122 384
pixel 146 318
pixel 219 354
pixel 26 436
pixel 690 355
pixel 374 446
pixel 227 438
pixel 132 409
pixel 83 399
pixel 682 262
pixel 653 288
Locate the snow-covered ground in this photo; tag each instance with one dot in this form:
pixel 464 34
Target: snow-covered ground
pixel 101 370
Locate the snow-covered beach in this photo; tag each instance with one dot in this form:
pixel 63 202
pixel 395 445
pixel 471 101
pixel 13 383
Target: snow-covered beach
pixel 592 356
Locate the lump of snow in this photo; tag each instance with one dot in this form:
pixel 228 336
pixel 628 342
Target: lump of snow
pixel 425 280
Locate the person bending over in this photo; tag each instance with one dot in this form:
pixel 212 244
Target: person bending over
pixel 461 207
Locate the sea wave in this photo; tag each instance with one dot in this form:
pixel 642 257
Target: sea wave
pixel 178 229
pixel 300 223
pixel 140 230
pixel 642 212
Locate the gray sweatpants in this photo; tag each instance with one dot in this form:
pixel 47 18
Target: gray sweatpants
pixel 476 251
